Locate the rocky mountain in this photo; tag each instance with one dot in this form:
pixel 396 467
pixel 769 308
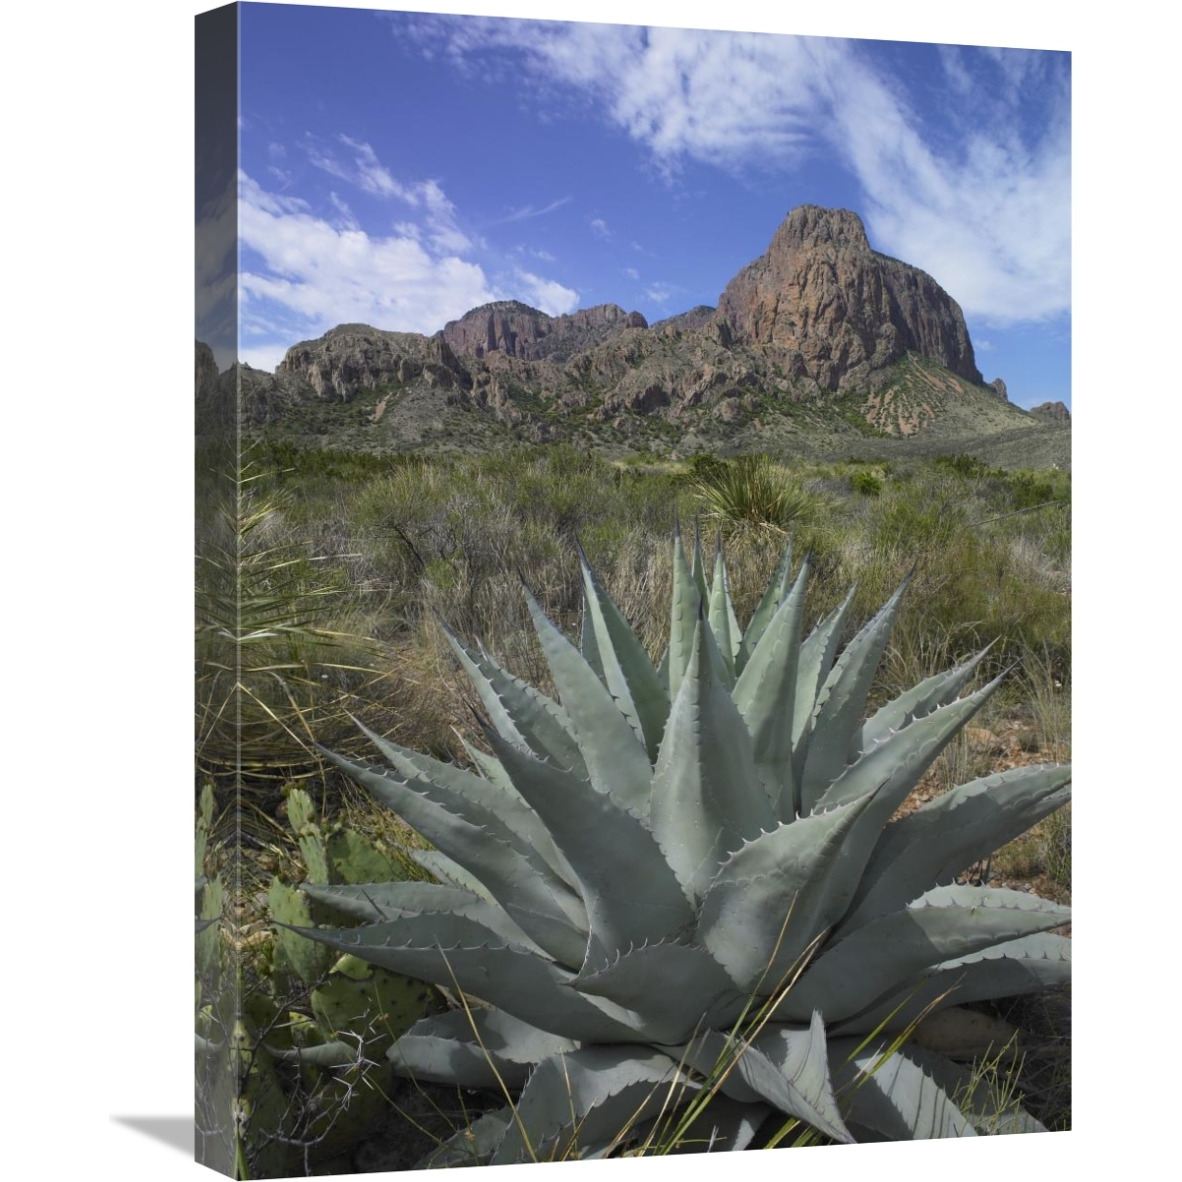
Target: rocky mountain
pixel 518 330
pixel 1053 412
pixel 836 312
pixel 820 336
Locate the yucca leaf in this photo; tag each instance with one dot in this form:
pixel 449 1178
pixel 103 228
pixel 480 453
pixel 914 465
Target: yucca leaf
pixel 765 696
pixel 896 1097
pixel 946 922
pixel 838 714
pixel 615 759
pixel 943 837
pixel 774 896
pixel 624 665
pixel 577 1104
pixel 707 798
pixel 630 892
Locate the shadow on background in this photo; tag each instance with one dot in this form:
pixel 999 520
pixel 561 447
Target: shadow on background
pixel 173 1131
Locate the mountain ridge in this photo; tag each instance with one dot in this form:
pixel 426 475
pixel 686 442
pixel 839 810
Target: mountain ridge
pixel 820 335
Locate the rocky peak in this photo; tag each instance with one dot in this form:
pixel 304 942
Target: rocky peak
pixel 837 312
pixel 1053 412
pixel 354 357
pixel 517 330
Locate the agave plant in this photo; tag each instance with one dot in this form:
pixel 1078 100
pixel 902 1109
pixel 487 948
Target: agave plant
pixel 681 888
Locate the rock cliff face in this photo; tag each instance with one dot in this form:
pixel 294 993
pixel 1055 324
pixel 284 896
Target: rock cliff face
pixel 1053 412
pixel 517 330
pixel 355 357
pixel 836 311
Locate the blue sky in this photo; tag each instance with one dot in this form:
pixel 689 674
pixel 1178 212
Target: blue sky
pixel 399 169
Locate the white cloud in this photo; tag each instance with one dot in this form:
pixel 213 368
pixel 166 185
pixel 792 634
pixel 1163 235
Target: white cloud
pixel 551 297
pixel 532 211
pixel 599 228
pixel 307 274
pixel 968 192
pixel 659 293
pixel 366 171
pixel 632 272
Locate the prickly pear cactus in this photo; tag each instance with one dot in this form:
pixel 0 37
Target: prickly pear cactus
pixel 678 891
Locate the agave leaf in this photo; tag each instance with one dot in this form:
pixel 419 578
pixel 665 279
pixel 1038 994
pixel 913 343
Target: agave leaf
pixel 971 1093
pixel 947 922
pixel 837 717
pixel 615 758
pixel 686 607
pixel 462 953
pixel 774 896
pixel 577 1104
pixel 707 798
pixel 721 613
pixel 766 609
pixel 723 1126
pixel 1025 965
pixel 520 713
pixel 450 872
pixel 624 665
pixel 497 797
pixel 897 763
pixel 895 1097
pixel 510 870
pixel 671 988
pixel 938 840
pixel 938 690
pixel 630 892
pixel 816 660
pixel 765 696
pixel 589 645
pixel 699 568
pixel 377 901
pixel 785 1066
pixel 473 1048
pixel 473 1145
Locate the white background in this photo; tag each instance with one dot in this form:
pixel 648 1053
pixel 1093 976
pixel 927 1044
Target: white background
pixel 95 419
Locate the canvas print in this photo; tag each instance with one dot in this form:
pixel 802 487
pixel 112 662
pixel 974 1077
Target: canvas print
pixel 633 691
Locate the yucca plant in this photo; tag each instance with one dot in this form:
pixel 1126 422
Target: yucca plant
pixel 685 881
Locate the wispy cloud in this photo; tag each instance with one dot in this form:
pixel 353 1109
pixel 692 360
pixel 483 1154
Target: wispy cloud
pixel 659 293
pixel 364 170
pixel 600 228
pixel 530 211
pixel 978 194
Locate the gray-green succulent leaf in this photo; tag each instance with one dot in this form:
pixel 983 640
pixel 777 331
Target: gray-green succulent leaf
pixel 677 899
